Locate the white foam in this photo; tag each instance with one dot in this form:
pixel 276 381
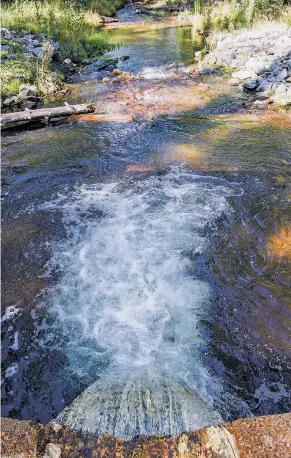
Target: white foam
pixel 15 345
pixel 11 370
pixel 128 292
pixel 10 313
pixel 152 73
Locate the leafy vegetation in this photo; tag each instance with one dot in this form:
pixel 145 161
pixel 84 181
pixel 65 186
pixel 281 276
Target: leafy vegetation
pixel 64 21
pixel 233 14
pixel 75 25
pixel 21 71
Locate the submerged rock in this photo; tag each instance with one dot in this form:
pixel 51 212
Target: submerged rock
pixel 146 402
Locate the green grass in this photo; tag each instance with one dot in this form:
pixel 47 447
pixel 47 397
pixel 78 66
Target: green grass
pixel 75 25
pixel 76 30
pixel 12 86
pixel 230 15
pixel 19 70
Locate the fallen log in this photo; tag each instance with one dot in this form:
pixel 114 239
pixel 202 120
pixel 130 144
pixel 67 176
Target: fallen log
pixel 44 114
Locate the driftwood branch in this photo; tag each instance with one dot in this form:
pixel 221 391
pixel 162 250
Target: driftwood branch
pixel 44 114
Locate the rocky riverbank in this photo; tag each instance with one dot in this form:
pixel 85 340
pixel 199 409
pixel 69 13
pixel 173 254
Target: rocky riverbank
pixel 259 61
pixel 262 437
pixel 26 71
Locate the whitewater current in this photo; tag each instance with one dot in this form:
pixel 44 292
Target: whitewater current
pixel 128 297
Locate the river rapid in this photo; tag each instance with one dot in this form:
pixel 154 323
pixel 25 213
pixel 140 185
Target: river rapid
pixel 140 252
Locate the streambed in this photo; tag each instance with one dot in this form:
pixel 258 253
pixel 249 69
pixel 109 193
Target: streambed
pixel 160 243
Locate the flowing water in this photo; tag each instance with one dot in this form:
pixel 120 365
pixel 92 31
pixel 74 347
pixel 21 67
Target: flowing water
pixel 148 260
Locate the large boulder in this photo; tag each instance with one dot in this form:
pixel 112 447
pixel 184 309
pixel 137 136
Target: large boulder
pixel 245 74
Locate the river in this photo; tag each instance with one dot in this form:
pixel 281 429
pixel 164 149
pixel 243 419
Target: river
pixel 158 244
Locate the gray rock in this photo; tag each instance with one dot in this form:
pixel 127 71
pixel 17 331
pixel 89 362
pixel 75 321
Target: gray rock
pixel 34 43
pixel 52 451
pixel 67 61
pixel 56 47
pixel 102 64
pixel 264 86
pixel 256 64
pixel 29 104
pixel 261 96
pixel 275 65
pixel 9 101
pixel 27 92
pixel 260 105
pixel 4 32
pixel 245 74
pixel 38 52
pixel 271 51
pixel 251 85
pixel 282 75
pixel 229 57
pixel 27 55
pixel 281 89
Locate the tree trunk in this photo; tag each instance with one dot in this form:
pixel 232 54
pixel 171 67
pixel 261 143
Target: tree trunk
pixel 44 114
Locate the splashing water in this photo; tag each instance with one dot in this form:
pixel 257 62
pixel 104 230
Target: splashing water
pixel 141 402
pixel 128 297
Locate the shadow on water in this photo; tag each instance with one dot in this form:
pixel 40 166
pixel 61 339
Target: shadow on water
pixel 244 334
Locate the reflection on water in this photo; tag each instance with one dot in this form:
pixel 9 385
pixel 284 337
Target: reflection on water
pixel 230 145
pixel 230 264
pixel 154 48
pixel 280 244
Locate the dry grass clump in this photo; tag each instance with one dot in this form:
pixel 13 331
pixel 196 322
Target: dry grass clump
pixel 230 15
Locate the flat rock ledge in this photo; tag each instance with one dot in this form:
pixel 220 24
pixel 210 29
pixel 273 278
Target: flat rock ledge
pixel 261 437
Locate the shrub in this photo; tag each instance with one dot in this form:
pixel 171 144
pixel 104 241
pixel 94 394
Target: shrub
pixel 269 8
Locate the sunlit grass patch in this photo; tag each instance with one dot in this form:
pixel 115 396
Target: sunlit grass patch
pixel 75 30
pixel 231 15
